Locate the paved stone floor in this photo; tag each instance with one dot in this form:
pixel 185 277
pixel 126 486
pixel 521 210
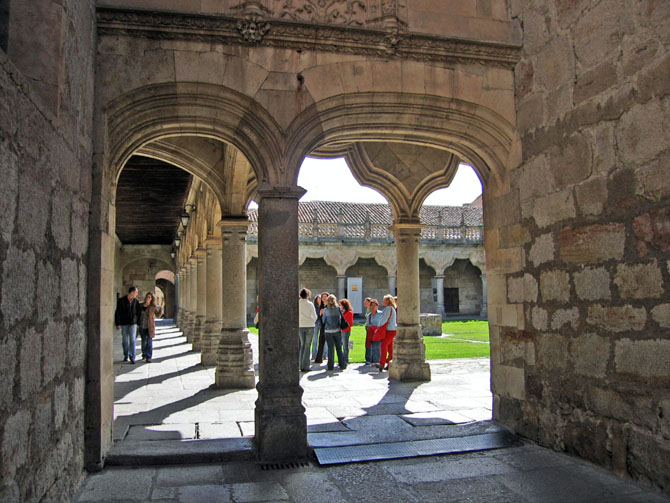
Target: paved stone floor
pixel 170 401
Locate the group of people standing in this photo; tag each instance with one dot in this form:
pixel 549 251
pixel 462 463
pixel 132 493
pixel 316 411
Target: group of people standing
pixel 325 328
pixel 131 314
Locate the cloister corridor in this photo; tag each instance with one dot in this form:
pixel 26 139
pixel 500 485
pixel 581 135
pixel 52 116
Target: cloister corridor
pixel 160 405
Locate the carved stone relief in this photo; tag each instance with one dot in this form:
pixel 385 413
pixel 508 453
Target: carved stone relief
pixel 345 12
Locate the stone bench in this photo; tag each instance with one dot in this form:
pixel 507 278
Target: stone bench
pixel 431 324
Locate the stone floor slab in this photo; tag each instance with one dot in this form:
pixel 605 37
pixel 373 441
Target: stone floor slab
pixel 161 432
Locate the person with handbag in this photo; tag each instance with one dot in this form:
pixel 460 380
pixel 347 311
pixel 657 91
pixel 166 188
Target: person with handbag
pixel 348 316
pixel 389 320
pixel 148 325
pixel 332 318
pixel 307 318
pixel 372 334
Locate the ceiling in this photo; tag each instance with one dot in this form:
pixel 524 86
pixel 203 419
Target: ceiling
pixel 150 196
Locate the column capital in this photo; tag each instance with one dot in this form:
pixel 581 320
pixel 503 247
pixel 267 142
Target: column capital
pixel 200 252
pixel 228 222
pixel 192 260
pixel 439 276
pixel 265 190
pixel 212 242
pixel 407 227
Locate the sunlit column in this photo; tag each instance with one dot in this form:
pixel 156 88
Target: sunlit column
pixel 234 364
pixel 281 426
pixel 392 284
pixel 439 287
pixel 200 296
pixel 214 304
pixel 341 287
pixel 409 352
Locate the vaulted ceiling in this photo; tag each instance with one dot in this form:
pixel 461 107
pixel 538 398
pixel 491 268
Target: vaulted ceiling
pixel 150 195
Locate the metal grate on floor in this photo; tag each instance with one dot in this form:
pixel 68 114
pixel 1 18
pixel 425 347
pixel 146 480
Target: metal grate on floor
pixel 414 448
pixel 291 465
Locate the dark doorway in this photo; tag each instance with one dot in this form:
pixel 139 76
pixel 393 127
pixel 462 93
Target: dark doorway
pixel 451 300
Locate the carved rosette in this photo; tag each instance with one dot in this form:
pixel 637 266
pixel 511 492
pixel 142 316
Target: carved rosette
pixel 252 29
pixel 346 12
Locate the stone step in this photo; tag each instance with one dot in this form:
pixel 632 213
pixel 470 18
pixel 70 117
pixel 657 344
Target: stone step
pixel 180 452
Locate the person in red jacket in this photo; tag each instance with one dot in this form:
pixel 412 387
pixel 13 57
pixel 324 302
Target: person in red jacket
pixel 347 314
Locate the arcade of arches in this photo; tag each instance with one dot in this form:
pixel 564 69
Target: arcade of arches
pixel 562 108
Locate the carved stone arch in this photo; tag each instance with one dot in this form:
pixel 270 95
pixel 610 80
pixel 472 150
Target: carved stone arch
pixel 341 259
pixel 160 263
pixel 476 134
pixel 478 259
pixel 385 259
pixel 159 111
pixel 185 159
pixel 365 161
pixel 439 260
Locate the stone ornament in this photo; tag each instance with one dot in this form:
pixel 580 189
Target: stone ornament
pixel 346 12
pixel 252 29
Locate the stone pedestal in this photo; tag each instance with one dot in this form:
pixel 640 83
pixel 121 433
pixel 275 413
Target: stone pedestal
pixel 409 352
pixel 234 364
pixel 439 287
pixel 484 313
pixel 214 303
pixel 201 296
pixel 281 426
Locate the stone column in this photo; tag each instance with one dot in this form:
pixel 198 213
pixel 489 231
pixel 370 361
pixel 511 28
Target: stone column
pixel 392 284
pixel 341 287
pixel 192 297
pixel 439 286
pixel 186 319
pixel 214 303
pixel 178 288
pixel 234 364
pixel 409 352
pixel 201 296
pixel 484 313
pixel 177 283
pixel 281 426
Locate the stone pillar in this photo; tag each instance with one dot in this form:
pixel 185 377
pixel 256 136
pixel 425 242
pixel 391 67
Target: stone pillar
pixel 177 283
pixel 281 426
pixel 186 320
pixel 214 303
pixel 234 364
pixel 484 313
pixel 392 284
pixel 192 297
pixel 341 287
pixel 179 291
pixel 409 352
pixel 439 287
pixel 200 295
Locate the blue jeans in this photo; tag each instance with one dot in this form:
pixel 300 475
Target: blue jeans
pixel 147 343
pixel 128 335
pixel 315 341
pixel 305 340
pixel 335 339
pixel 375 352
pixel 345 345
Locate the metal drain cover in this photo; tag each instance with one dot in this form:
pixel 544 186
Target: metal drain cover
pixel 414 448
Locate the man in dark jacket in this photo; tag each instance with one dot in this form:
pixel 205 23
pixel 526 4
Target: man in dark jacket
pixel 126 316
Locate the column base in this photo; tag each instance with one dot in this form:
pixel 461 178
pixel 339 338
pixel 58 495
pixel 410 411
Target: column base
pixel 409 355
pixel 198 327
pixel 211 334
pixel 484 313
pixel 280 425
pixel 187 326
pixel 234 364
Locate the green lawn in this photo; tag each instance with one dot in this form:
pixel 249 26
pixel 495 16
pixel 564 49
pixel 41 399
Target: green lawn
pixel 437 348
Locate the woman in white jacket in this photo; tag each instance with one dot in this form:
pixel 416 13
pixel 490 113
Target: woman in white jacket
pixel 307 317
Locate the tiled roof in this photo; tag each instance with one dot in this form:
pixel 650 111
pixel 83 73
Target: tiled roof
pixel 356 213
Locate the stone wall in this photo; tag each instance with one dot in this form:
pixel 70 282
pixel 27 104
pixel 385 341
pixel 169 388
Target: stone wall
pixel 319 277
pixel 590 372
pixel 45 168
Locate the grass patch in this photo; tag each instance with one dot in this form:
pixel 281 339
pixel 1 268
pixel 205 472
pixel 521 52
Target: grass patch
pixel 437 348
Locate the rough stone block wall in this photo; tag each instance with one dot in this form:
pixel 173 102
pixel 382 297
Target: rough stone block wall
pixel 45 168
pixel 318 276
pixel 587 369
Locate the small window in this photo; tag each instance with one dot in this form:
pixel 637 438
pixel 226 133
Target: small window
pixel 4 24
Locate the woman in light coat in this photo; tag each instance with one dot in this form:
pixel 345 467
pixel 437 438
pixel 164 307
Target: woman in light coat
pixel 331 321
pixel 306 319
pixel 148 325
